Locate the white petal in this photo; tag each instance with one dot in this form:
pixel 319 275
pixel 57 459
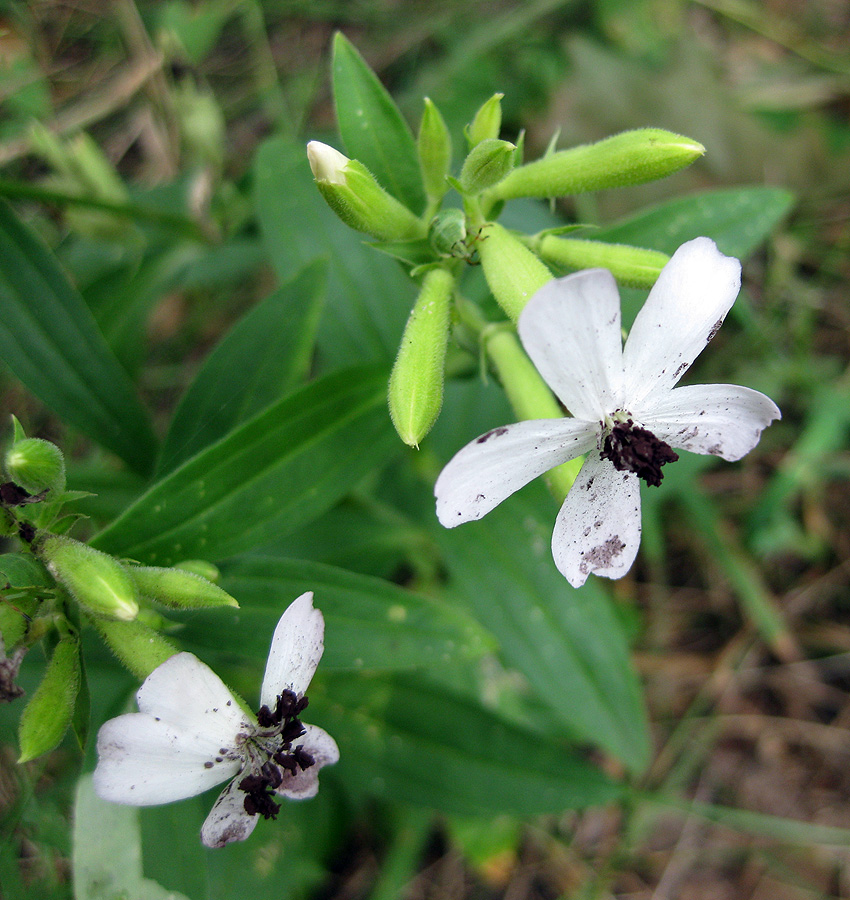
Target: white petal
pixel 189 695
pixel 571 330
pixel 144 761
pixel 228 821
pixel 496 464
pixel 721 419
pixel 598 527
pixel 682 314
pixel 305 783
pixel 296 649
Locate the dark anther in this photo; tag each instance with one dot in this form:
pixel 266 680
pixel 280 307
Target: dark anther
pixel 265 718
pixel 634 449
pixel 258 800
pixel 303 758
pixel 286 761
pixel 272 774
pixel 292 730
pixel 261 804
pixel 285 706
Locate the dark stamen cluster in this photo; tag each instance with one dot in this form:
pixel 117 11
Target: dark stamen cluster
pixel 260 786
pixel 634 449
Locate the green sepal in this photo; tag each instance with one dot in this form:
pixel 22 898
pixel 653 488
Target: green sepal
pixel 512 271
pixel 488 163
pixel 49 712
pixel 434 146
pixel 631 266
pixel 36 465
pixel 177 588
pixel 487 122
pixel 140 648
pixel 632 157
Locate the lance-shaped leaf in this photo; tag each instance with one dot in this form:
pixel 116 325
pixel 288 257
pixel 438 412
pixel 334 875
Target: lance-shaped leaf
pixel 408 740
pixel 568 643
pixel 272 475
pixel 249 370
pixel 49 339
pixel 369 623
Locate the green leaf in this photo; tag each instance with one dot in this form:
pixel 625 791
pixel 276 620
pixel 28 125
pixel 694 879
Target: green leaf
pixel 369 297
pixel 372 128
pixel 266 354
pixel 272 475
pixel 370 623
pixel 568 643
pixel 413 742
pixel 50 341
pixel 107 856
pixel 737 219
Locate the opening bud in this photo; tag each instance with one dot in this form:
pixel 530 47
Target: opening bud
pixel 416 383
pixel 352 192
pixel 632 157
pixel 97 581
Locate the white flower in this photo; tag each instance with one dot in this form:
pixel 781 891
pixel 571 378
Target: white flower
pixel 628 414
pixel 191 734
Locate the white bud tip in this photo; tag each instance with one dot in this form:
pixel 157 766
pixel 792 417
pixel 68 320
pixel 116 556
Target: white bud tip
pixel 327 164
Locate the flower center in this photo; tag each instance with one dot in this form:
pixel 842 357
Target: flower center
pixel 272 754
pixel 634 449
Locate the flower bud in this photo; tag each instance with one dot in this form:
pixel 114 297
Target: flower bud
pixel 487 122
pixel 34 465
pixel 97 581
pixel 48 714
pixel 140 648
pixel 631 266
pixel 447 232
pixel 355 196
pixel 632 157
pixel 434 145
pixel 416 382
pixel 512 271
pixel 178 588
pixel 487 164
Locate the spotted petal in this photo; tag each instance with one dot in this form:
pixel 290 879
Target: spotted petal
pixel 495 465
pixel 144 761
pixel 721 419
pixel 189 695
pixel 598 527
pixel 571 330
pixel 305 783
pixel 297 647
pixel 682 314
pixel 228 821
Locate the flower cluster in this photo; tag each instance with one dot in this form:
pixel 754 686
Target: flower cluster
pixel 628 416
pixel 191 733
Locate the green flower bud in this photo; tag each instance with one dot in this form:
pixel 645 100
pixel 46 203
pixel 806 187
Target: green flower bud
pixel 631 266
pixel 48 714
pixel 34 465
pixel 200 567
pixel 416 382
pixel 487 122
pixel 447 232
pixel 140 648
pixel 512 271
pixel 97 581
pixel 632 157
pixel 487 164
pixel 178 588
pixel 352 192
pixel 434 145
